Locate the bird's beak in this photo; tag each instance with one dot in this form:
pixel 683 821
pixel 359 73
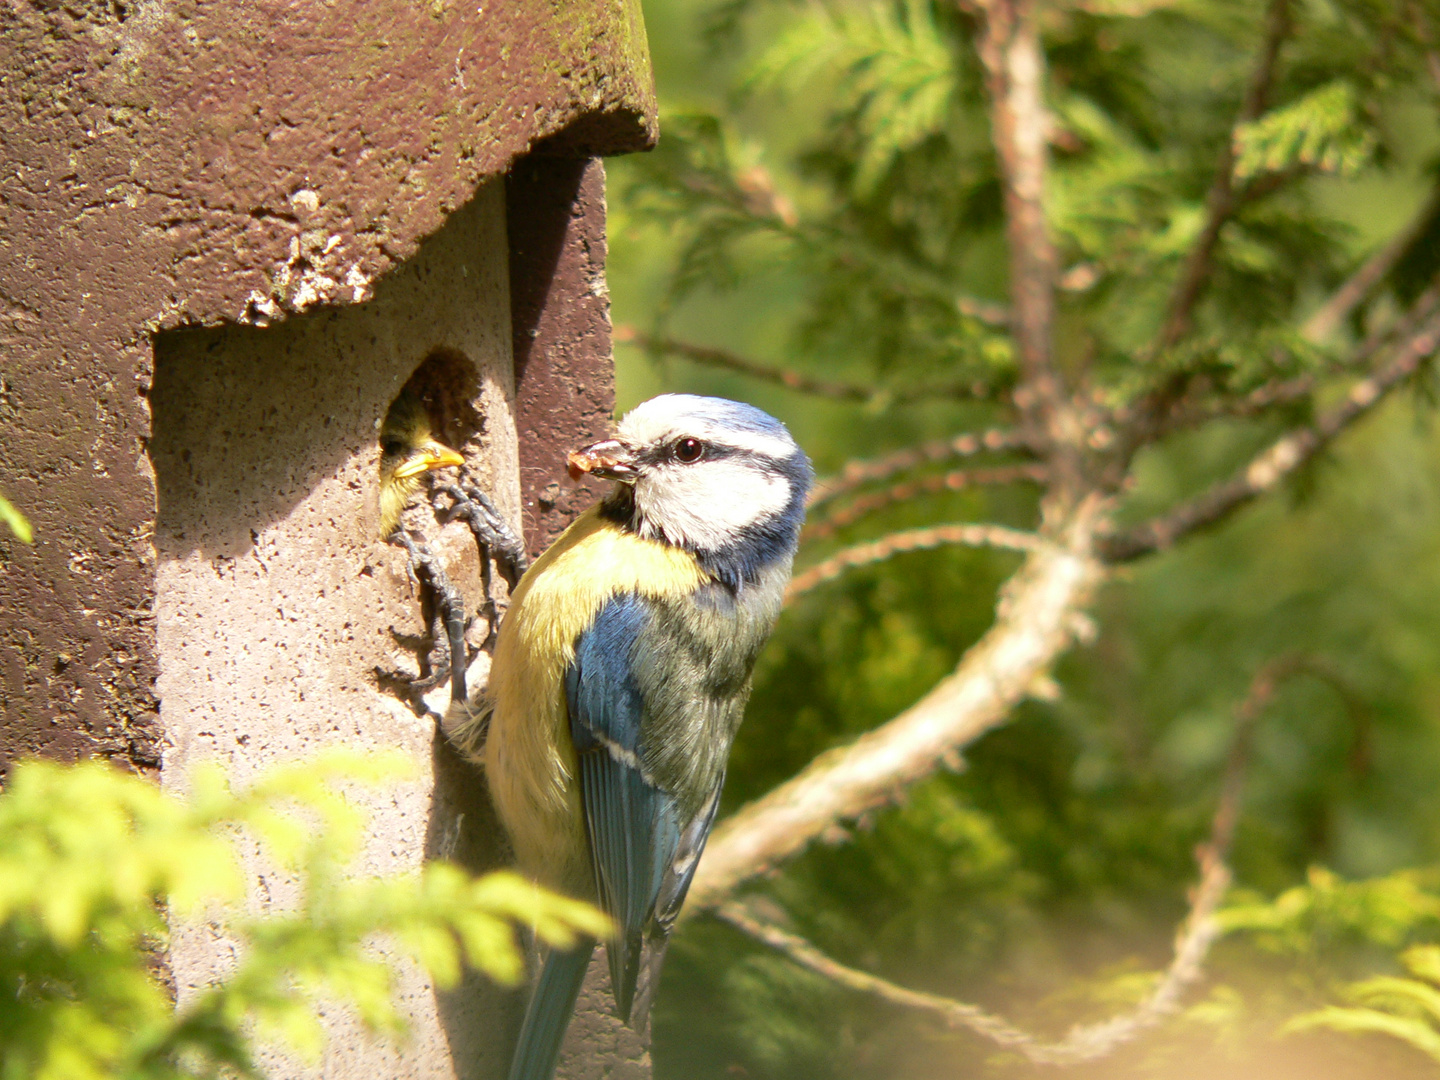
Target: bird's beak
pixel 429 455
pixel 611 460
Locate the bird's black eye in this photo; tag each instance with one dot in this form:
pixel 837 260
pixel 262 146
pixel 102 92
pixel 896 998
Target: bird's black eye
pixel 689 451
pixel 392 448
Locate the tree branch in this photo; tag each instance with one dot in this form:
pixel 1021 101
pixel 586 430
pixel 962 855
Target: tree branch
pixel 857 473
pixel 953 1013
pixel 1166 408
pixel 956 480
pixel 996 536
pixel 1150 414
pixel 1283 392
pixel 1426 38
pixel 1268 468
pixel 1088 1042
pixel 1221 200
pixel 1085 1042
pixel 1009 49
pixel 1272 395
pixel 1039 615
pixel 1324 322
pixel 793 380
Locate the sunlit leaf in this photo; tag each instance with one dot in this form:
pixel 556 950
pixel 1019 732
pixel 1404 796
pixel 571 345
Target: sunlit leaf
pixel 15 521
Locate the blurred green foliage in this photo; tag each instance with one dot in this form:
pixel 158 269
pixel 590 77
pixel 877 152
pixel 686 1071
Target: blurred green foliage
pixel 15 521
pixel 1405 1008
pixel 98 868
pixel 824 200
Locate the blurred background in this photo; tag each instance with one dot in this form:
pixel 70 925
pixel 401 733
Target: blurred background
pixel 824 188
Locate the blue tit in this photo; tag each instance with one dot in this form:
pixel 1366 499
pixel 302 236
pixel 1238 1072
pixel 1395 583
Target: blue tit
pixel 621 674
pixel 408 450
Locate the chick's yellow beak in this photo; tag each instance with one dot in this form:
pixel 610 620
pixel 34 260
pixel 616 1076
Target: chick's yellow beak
pixel 428 455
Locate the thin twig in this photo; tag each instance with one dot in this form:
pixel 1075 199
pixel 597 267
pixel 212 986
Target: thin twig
pixel 1279 460
pixel 1354 291
pixel 1284 392
pixel 1084 1042
pixel 956 480
pixel 953 1013
pixel 1263 685
pixel 996 536
pixel 983 311
pixel 1221 201
pixel 856 474
pixel 793 380
pixel 1272 395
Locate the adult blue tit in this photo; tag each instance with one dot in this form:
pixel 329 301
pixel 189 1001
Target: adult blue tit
pixel 621 673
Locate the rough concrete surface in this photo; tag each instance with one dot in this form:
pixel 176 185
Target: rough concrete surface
pixel 598 1046
pixel 277 599
pixel 170 162
pixel 560 316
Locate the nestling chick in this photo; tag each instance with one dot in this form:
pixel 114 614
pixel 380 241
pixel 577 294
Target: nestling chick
pixel 408 450
pixel 622 671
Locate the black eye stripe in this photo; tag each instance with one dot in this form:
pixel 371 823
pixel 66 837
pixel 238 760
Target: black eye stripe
pixel 713 451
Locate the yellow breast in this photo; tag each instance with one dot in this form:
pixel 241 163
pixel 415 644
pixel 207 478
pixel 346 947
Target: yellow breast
pixel 529 759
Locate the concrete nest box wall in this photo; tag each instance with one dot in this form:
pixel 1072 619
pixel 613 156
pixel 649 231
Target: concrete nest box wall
pixel 279 605
pixel 232 236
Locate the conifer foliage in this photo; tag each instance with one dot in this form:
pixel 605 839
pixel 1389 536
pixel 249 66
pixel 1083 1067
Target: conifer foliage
pixel 99 868
pixel 1054 291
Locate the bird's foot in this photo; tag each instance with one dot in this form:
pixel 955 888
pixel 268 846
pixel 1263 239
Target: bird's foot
pixel 492 532
pixel 448 655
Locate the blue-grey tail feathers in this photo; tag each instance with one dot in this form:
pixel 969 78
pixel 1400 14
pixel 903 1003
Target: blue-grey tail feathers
pixel 652 956
pixel 624 956
pixel 633 835
pixel 548 1013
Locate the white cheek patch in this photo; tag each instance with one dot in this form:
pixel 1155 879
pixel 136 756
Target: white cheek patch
pixel 707 506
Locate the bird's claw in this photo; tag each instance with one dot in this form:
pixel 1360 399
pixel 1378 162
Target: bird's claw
pixel 424 569
pixel 418 556
pixel 491 530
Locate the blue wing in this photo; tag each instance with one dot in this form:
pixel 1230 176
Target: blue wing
pixel 673 886
pixel 634 826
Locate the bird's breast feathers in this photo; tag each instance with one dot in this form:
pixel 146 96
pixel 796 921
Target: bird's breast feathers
pixel 529 758
pixel 592 561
